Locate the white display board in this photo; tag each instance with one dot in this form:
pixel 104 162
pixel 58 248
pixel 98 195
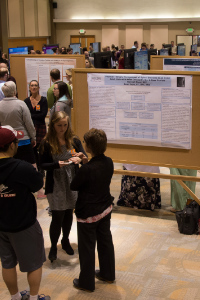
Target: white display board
pixel 151 110
pixel 39 69
pixel 181 64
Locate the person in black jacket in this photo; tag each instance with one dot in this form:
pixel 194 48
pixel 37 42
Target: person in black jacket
pixel 93 212
pixel 56 149
pixel 21 238
pixel 38 107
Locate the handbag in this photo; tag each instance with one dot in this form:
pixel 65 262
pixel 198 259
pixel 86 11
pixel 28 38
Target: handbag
pixel 188 218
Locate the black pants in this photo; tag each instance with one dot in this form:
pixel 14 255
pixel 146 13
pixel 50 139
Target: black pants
pixel 88 235
pixel 36 153
pixel 61 219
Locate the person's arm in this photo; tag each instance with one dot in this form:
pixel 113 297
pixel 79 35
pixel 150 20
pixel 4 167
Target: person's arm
pixel 46 160
pixel 78 146
pixel 26 116
pixel 82 156
pixel 50 97
pixel 29 177
pixel 80 178
pixel 70 90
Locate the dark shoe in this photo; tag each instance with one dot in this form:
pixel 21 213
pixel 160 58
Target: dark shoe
pixel 67 247
pixel 77 286
pixel 52 254
pixel 25 295
pixel 43 297
pixel 98 276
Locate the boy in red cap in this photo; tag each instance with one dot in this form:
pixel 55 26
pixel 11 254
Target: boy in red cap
pixel 21 238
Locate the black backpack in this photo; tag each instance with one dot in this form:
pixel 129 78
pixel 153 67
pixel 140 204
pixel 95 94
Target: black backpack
pixel 188 218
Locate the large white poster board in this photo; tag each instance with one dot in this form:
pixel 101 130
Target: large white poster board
pixel 39 69
pixel 152 110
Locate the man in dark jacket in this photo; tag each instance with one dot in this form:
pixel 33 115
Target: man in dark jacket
pixel 21 238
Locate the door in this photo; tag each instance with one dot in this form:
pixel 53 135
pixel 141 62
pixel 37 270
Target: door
pixel 84 40
pixel 187 40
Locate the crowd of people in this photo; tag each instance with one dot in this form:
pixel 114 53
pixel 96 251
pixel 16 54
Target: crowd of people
pixel 29 152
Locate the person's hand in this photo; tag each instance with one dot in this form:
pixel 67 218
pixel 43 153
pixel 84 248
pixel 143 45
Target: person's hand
pixel 33 143
pixel 82 156
pixel 75 159
pixel 62 163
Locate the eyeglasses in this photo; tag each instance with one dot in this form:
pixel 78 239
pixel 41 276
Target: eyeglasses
pixel 32 85
pixel 55 88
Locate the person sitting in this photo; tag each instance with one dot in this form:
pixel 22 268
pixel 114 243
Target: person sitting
pixel 93 212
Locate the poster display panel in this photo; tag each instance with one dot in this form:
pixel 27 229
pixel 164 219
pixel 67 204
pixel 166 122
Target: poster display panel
pixel 149 110
pixel 39 69
pixel 181 64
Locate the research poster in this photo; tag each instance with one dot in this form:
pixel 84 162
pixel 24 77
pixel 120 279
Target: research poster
pixel 181 64
pixel 151 110
pixel 39 69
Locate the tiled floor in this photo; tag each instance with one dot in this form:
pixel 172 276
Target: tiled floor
pixel 153 260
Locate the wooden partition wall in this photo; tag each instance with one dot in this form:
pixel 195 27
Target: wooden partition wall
pixel 168 157
pixel 17 64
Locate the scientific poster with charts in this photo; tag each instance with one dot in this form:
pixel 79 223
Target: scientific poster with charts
pixel 151 110
pixel 39 69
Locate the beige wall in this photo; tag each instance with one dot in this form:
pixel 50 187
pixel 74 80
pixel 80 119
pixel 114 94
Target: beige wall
pixel 127 9
pixel 64 30
pixel 133 33
pixel 158 33
pixel 110 33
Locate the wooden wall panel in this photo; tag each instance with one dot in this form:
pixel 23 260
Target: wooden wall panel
pixel 15 18
pixel 147 155
pixel 37 43
pixel 30 18
pixel 43 11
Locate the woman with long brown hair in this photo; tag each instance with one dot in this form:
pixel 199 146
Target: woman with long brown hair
pixel 56 157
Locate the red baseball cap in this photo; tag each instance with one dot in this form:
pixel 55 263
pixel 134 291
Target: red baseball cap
pixel 8 135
